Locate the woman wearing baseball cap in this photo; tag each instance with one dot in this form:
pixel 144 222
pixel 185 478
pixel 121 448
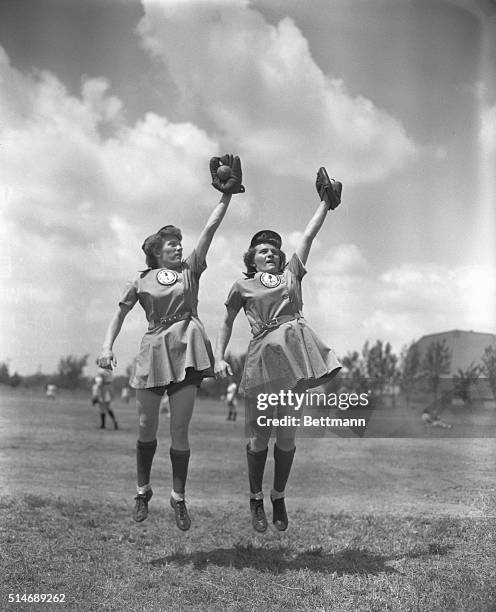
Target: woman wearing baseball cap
pixel 284 353
pixel 175 353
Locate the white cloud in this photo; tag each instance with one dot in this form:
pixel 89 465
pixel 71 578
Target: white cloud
pixel 345 259
pixel 264 92
pixel 62 153
pixel 350 303
pixel 80 191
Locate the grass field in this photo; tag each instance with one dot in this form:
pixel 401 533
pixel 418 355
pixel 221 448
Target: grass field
pixel 375 524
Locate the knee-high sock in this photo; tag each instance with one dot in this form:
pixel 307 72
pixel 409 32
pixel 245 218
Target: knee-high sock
pixel 112 415
pixel 145 452
pixel 256 466
pixel 283 460
pixel 180 462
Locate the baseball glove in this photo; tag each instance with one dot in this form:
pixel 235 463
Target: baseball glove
pixel 328 189
pixel 233 183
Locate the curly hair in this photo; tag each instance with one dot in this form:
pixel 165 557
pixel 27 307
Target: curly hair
pixel 249 261
pixel 154 243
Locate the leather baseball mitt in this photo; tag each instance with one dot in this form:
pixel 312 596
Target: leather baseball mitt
pixel 328 189
pixel 231 184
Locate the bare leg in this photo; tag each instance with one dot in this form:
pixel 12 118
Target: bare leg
pixel 181 410
pixel 147 404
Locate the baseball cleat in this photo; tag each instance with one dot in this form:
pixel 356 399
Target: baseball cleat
pixel 258 518
pixel 279 515
pixel 181 513
pixel 140 511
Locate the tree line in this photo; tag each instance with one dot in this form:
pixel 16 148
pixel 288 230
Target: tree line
pixel 376 369
pixel 379 370
pixel 69 374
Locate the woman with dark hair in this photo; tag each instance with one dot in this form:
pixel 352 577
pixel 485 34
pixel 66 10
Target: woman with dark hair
pixel 175 353
pixel 284 354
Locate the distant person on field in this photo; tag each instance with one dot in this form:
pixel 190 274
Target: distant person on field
pixel 433 419
pixel 102 394
pixel 231 401
pixel 437 422
pixel 126 394
pixel 426 417
pixel 51 391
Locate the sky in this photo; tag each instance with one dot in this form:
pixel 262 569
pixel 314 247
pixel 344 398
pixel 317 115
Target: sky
pixel 110 111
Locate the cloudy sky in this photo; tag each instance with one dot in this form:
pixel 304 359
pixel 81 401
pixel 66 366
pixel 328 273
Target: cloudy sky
pixel 110 110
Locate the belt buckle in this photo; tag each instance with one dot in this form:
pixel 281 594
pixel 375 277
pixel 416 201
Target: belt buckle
pixel 272 323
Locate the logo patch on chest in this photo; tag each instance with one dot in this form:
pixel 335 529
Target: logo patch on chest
pixel 166 277
pixel 269 280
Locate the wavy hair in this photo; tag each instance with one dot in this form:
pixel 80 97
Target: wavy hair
pixel 154 243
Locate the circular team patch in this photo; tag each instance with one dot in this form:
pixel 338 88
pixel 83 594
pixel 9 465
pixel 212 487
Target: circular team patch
pixel 166 277
pixel 269 280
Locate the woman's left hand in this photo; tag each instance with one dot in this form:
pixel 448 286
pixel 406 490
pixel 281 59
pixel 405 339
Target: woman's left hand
pixel 106 359
pixel 222 369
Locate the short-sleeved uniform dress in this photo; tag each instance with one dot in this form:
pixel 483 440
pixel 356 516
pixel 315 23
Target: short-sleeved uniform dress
pixel 176 339
pixel 284 353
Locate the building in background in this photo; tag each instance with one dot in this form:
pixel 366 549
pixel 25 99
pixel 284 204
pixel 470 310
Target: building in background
pixel 467 349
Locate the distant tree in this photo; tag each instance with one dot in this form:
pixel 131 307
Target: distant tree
pixel 381 365
pixel 15 380
pixel 70 370
pixel 354 377
pixel 464 380
pixel 6 378
pixel 4 373
pixel 489 367
pixel 411 369
pixel 436 362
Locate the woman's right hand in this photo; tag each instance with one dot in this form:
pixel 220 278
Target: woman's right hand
pixel 222 369
pixel 106 359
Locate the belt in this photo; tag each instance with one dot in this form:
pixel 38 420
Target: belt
pixel 276 322
pixel 180 316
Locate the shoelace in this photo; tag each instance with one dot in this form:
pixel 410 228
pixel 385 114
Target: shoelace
pixel 181 506
pixel 259 512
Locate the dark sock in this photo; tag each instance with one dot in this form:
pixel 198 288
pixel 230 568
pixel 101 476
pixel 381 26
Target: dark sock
pixel 102 420
pixel 256 467
pixel 180 462
pixel 144 459
pixel 283 460
pixel 112 416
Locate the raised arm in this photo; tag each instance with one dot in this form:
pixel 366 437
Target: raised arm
pixel 228 185
pixel 107 358
pixel 311 231
pixel 211 226
pixel 222 368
